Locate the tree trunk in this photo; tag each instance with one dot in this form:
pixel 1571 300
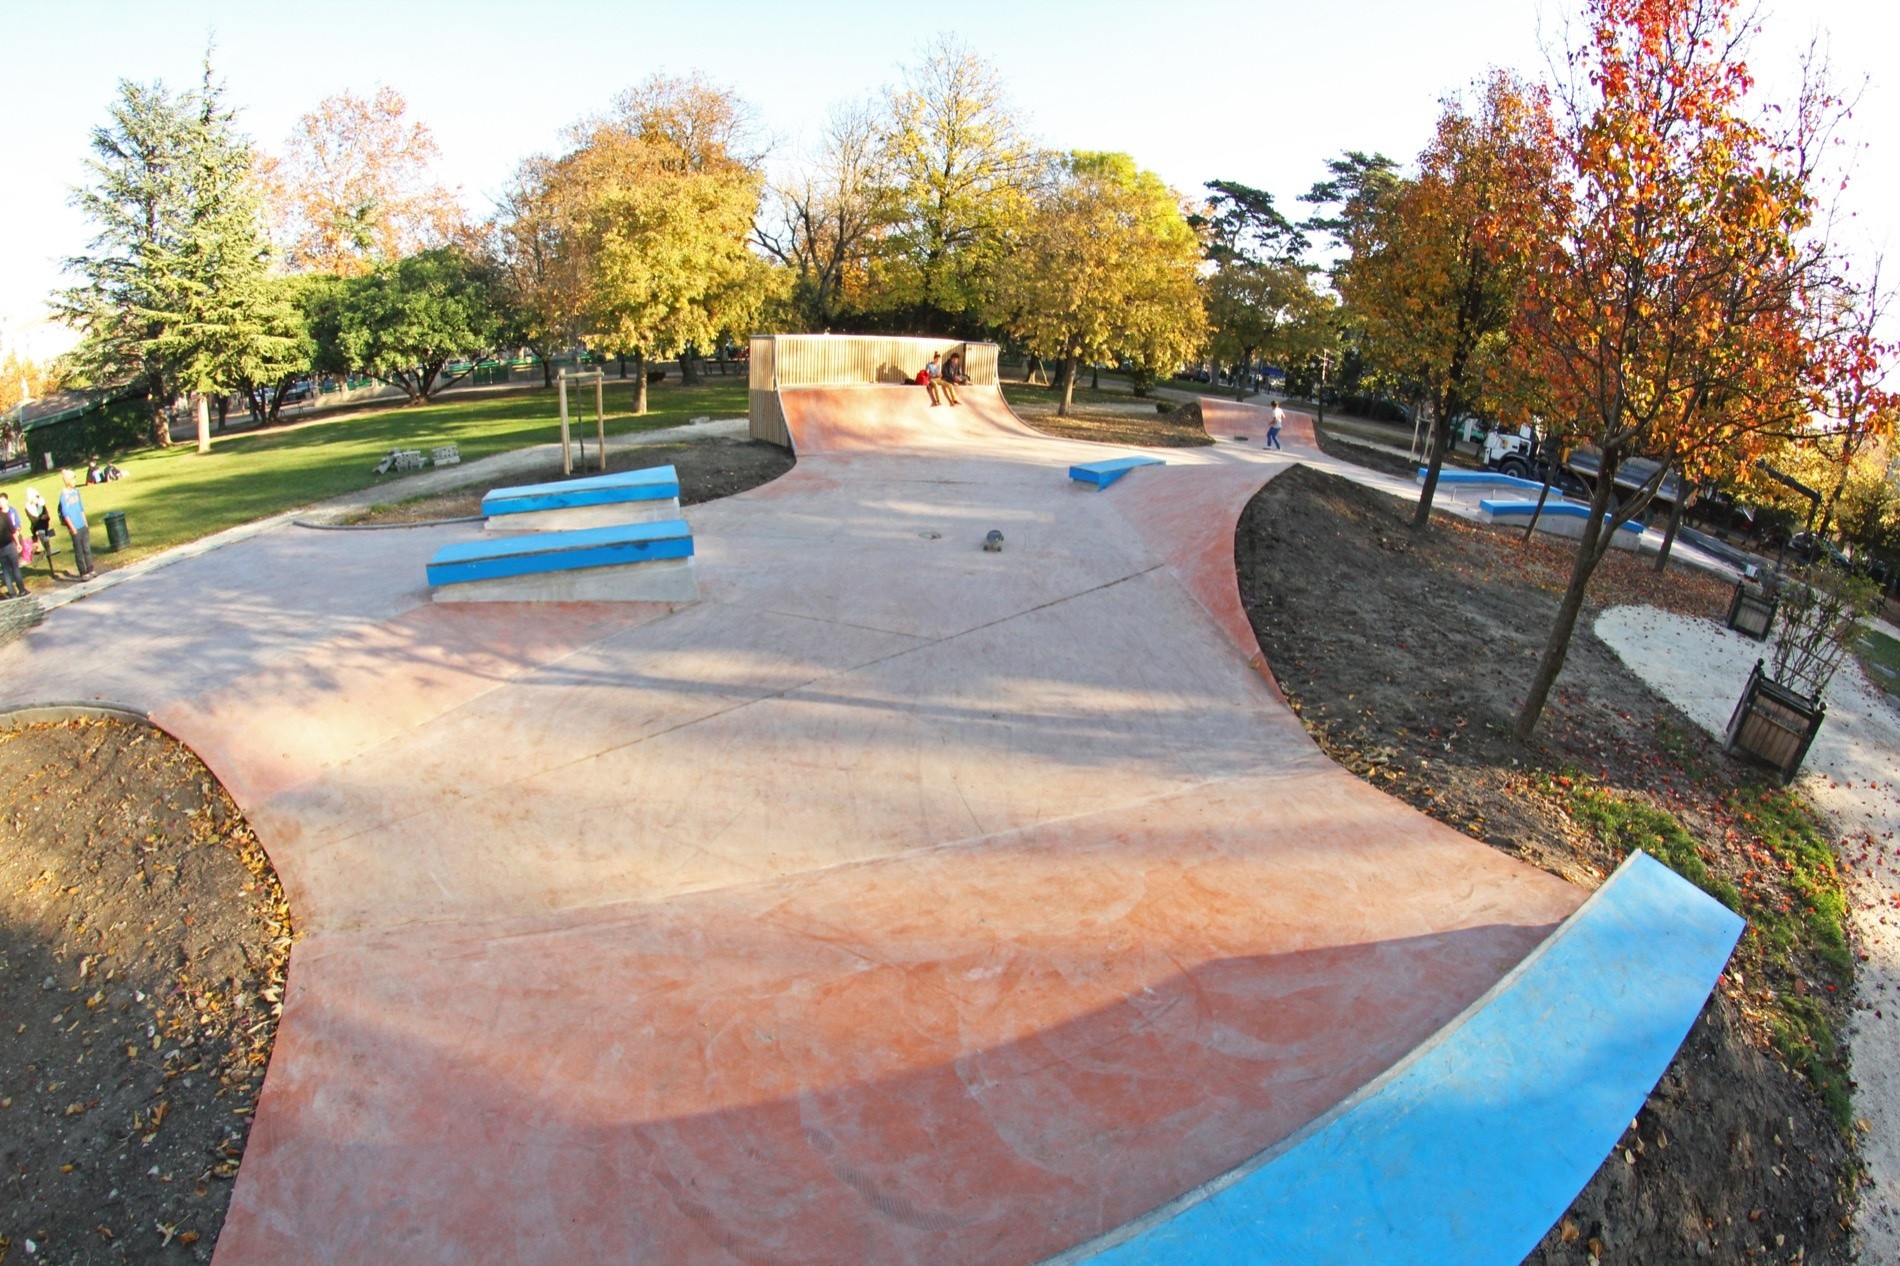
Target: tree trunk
pixel 224 410
pixel 1669 533
pixel 689 367
pixel 547 369
pixel 1558 645
pixel 623 366
pixel 201 414
pixel 1070 366
pixel 639 383
pixel 1441 439
pixel 161 421
pixel 1095 377
pixel 1543 496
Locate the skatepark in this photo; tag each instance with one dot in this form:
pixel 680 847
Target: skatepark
pixel 894 899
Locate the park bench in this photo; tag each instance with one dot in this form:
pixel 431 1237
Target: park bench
pixel 401 461
pixel 1102 474
pixel 623 562
pixel 630 496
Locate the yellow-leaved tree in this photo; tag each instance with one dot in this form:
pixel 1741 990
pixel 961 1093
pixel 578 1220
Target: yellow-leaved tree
pixel 652 210
pixel 1105 270
pixel 1439 266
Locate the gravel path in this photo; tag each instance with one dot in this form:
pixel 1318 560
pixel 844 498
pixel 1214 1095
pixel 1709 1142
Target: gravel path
pixel 1852 773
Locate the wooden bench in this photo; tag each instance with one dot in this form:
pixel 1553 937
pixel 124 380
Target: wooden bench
pixel 632 496
pixel 1102 474
pixel 623 562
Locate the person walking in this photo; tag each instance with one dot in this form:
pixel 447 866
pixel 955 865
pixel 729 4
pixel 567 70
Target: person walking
pixel 10 577
pixel 39 521
pixel 1273 427
pixel 72 512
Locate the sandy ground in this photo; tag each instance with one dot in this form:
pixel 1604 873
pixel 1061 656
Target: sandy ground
pixel 1852 773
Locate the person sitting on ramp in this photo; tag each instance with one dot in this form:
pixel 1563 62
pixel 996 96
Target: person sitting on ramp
pixel 931 378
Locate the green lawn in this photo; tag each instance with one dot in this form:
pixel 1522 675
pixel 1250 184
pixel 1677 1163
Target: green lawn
pixel 173 495
pixel 1878 651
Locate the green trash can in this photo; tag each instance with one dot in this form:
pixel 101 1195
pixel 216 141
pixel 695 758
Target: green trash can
pixel 117 538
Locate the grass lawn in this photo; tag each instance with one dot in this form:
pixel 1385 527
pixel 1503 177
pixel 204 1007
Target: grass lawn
pixel 173 495
pixel 1881 654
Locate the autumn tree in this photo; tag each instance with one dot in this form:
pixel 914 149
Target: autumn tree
pixel 539 263
pixel 1106 270
pixel 355 187
pixel 824 222
pixel 656 203
pixel 1670 317
pixel 22 379
pixel 173 293
pixel 1438 266
pixel 963 176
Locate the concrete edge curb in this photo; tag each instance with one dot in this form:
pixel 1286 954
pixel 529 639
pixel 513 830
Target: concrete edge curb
pixel 19 716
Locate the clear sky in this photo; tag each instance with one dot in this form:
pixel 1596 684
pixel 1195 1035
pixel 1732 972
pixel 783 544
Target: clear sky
pixel 1257 92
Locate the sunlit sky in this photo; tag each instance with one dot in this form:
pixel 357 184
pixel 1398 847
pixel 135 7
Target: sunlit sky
pixel 1261 93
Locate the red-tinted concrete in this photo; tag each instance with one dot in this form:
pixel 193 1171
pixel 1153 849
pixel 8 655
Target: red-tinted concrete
pixel 1228 418
pixel 898 902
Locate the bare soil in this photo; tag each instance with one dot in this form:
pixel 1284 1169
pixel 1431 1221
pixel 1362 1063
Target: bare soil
pixel 1406 658
pixel 1136 422
pixel 708 469
pixel 143 941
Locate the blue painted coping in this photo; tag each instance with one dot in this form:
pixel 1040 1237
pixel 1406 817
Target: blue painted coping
pixel 561 551
pixel 1102 474
pixel 656 483
pixel 1483 477
pixel 1552 510
pixel 1467 1151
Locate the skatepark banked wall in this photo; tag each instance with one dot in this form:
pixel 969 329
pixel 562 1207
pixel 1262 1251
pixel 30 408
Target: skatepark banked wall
pixel 844 360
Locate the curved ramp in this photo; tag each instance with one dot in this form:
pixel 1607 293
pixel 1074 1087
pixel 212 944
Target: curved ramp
pixel 899 902
pixel 1473 1146
pixel 885 417
pixel 1232 417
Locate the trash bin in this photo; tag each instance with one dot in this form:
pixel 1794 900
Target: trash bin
pixel 117 538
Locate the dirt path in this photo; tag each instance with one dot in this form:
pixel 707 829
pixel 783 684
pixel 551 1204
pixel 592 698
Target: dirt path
pixel 1852 773
pixel 1406 660
pixel 143 940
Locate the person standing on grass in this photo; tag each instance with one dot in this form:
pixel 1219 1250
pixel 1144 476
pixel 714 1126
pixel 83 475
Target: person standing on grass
pixel 10 577
pixel 72 512
pixel 1273 427
pixel 39 521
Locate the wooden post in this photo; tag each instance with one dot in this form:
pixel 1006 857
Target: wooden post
pixel 567 459
pixel 600 417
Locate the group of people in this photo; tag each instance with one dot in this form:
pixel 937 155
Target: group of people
pixel 22 536
pixel 941 377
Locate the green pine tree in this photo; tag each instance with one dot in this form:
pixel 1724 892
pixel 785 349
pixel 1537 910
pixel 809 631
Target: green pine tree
pixel 174 295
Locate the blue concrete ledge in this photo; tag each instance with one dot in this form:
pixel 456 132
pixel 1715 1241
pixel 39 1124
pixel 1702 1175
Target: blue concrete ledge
pixel 1102 474
pixel 657 483
pixel 1467 1151
pixel 1488 478
pixel 1552 510
pixel 561 551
